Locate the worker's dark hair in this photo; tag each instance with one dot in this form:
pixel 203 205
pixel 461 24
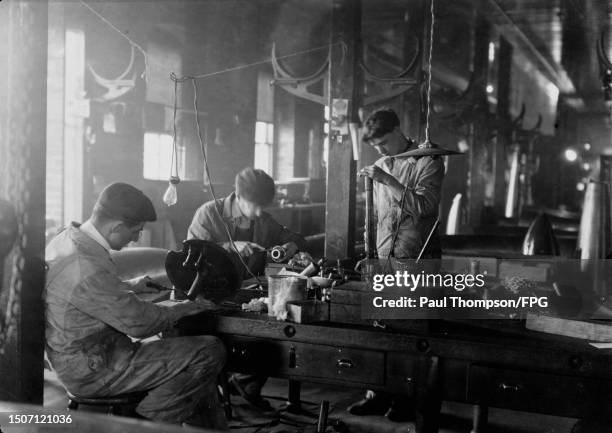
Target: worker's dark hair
pixel 255 186
pixel 121 201
pixel 379 123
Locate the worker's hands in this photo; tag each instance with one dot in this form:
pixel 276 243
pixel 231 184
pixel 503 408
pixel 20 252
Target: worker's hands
pixel 291 248
pixel 144 284
pixel 376 173
pixel 245 249
pixel 189 308
pixel 206 304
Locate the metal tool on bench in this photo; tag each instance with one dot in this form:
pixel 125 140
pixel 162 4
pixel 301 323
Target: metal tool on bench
pixel 278 253
pixel 204 268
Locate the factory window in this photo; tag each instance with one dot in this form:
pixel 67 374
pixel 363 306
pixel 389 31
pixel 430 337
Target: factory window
pixel 157 156
pixel 264 137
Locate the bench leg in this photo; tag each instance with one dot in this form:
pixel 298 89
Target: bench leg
pixel 226 398
pixel 480 418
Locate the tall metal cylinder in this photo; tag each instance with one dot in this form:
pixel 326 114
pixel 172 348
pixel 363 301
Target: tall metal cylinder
pixel 453 222
pixel 594 235
pixel 540 238
pixel 512 196
pixel 369 230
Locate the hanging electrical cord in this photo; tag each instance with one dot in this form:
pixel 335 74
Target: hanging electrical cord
pixel 171 196
pixel 212 190
pixel 267 60
pixel 426 143
pixel 210 74
pixel 207 177
pixel 126 37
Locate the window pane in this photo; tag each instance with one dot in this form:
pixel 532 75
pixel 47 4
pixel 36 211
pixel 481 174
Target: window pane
pixel 270 139
pixel 263 156
pixel 261 132
pixel 157 157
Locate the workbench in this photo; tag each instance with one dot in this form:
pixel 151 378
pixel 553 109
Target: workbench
pixel 520 370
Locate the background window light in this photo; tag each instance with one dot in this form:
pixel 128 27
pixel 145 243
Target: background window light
pixel 157 156
pixel 264 137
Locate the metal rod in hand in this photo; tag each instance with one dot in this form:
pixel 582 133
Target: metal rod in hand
pixel 322 421
pixel 369 244
pixel 431 232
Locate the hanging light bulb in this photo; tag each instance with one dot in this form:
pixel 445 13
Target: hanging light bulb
pixel 171 196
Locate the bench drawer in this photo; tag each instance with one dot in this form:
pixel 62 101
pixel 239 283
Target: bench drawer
pixel 529 391
pixel 295 359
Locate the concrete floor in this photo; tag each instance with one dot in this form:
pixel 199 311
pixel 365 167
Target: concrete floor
pixel 455 417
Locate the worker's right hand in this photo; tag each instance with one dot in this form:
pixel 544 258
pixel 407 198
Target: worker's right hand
pixel 189 308
pixel 245 248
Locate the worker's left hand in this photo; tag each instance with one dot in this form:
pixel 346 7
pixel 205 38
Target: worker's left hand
pixel 375 173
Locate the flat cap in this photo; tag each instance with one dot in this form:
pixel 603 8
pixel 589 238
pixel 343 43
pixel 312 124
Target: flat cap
pixel 255 186
pixel 126 203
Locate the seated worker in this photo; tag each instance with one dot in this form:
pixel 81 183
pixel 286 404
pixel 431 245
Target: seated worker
pixel 91 315
pixel 253 230
pixel 406 199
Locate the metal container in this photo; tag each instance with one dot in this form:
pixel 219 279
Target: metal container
pixel 282 289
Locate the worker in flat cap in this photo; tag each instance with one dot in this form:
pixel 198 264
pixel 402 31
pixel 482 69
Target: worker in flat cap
pixel 407 195
pixel 253 231
pixel 91 315
pixel 242 212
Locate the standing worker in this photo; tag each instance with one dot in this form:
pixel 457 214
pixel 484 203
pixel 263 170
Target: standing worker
pixel 406 200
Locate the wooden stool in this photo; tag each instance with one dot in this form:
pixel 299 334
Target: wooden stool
pixel 123 404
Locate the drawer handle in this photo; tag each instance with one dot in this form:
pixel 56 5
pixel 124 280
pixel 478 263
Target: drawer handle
pixel 239 352
pixel 507 387
pixel 344 363
pixel 292 357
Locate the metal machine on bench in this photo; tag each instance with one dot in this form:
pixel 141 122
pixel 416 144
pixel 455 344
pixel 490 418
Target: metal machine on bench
pixel 206 269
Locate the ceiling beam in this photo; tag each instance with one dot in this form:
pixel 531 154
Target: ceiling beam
pixel 513 33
